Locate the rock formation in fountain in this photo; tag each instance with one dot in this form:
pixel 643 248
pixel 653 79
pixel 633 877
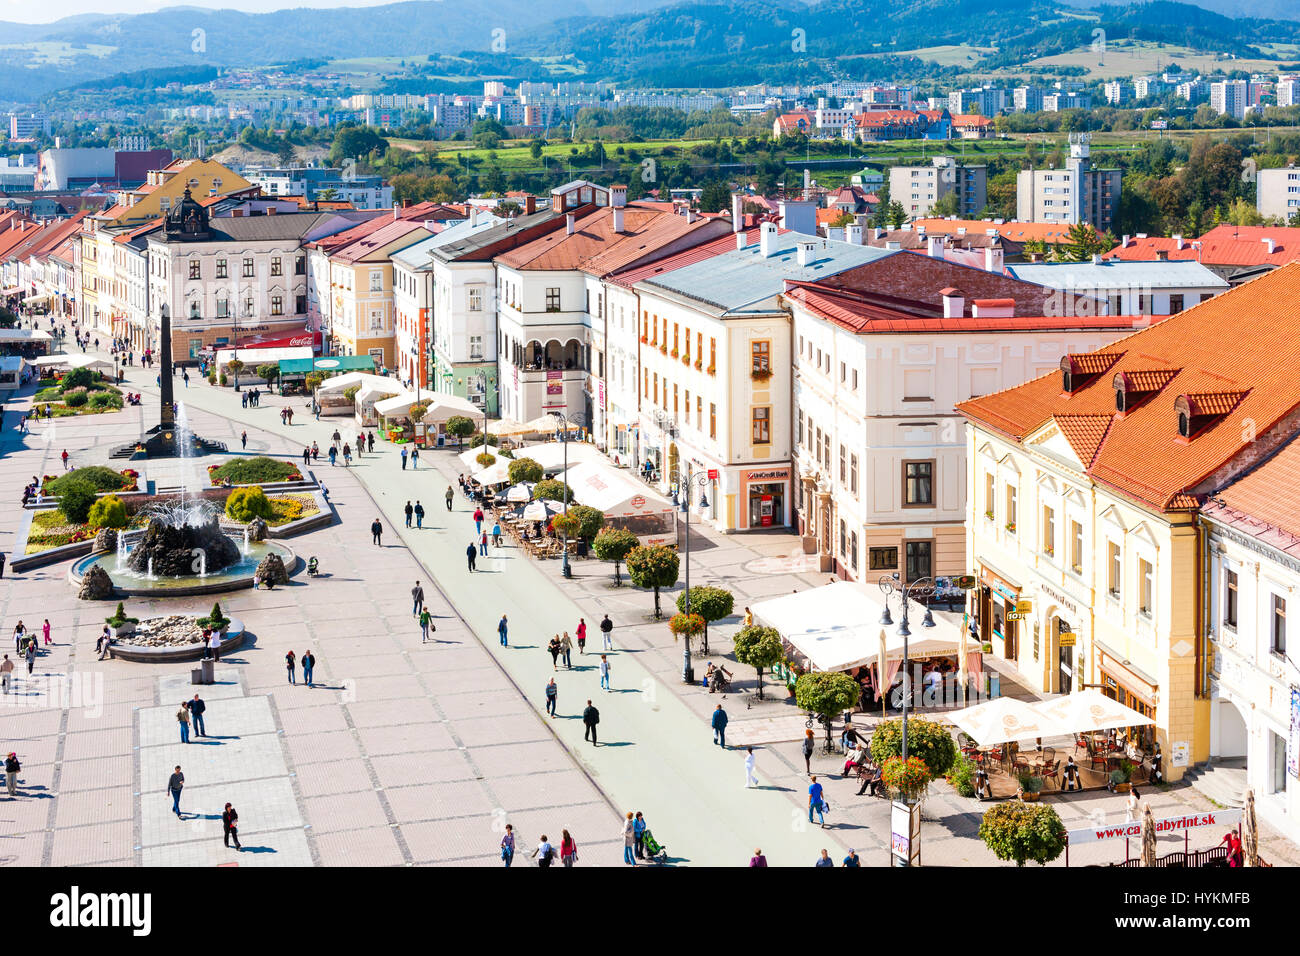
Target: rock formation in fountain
pixel 174 547
pixel 105 541
pixel 96 585
pixel 272 569
pixel 257 529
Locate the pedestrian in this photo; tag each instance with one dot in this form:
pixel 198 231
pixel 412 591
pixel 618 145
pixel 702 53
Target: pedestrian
pixel 64 456
pixel 449 495
pixel 824 860
pixel 544 852
pixel 417 599
pixel 347 455
pixel 197 708
pixel 808 744
pixel 582 640
pixel 333 455
pixel 815 802
pixel 409 511
pixel 568 849
pixel 471 553
pixel 315 451
pixel 426 619
pixel 566 650
pixel 482 544
pixel 581 630
pixel 45 629
pixel 508 846
pixel 629 840
pixel 503 631
pixel 719 724
pixel 749 621
pixel 370 442
pixel 376 531
pixel 175 783
pixel 6 673
pixel 308 665
pixel 415 458
pixel 2 564
pixel 290 411
pixel 496 534
pixel 751 779
pixel 12 766
pixel 214 645
pixel 604 672
pixel 607 632
pixel 758 859
pixel 478 520
pixel 1133 809
pixel 306 455
pixel 230 827
pixel 590 718
pixel 553 647
pixel 552 692
pixel 403 458
pixel 183 718
pixel 243 439
pixel 638 835
pixel 290 662
pixel 419 514
pixel 852 859
pixel 31 656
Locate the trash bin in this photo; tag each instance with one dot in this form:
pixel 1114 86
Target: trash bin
pixel 207 668
pixel 196 676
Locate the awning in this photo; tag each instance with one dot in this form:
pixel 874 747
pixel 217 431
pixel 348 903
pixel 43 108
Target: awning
pixel 497 474
pixel 506 427
pixel 328 363
pixel 1092 710
pixel 1004 719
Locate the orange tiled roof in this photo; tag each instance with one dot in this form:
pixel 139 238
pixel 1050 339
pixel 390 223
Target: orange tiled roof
pixel 970 119
pixel 1263 502
pixel 1014 231
pixel 1192 353
pixel 596 248
pixel 1092 363
pixel 1225 245
pixel 1084 433
pixel 1213 403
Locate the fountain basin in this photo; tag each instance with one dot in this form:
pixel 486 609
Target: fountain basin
pixel 233 577
pixel 233 638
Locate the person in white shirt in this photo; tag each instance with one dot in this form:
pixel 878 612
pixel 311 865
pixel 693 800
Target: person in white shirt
pixel 751 779
pixel 214 644
pixel 545 853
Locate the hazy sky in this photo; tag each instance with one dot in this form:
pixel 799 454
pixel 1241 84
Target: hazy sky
pixel 44 11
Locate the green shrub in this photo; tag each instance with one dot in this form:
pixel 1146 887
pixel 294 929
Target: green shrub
pixel 215 619
pixel 120 618
pixel 49 395
pixel 524 469
pixel 350 393
pixel 75 501
pixel 245 504
pixel 591 520
pixel 75 399
pixel 481 439
pixel 552 490
pixel 77 378
pixel 103 400
pixel 107 512
pixel 1022 832
pixel 254 471
pixel 962 776
pixel 97 476
pixel 925 739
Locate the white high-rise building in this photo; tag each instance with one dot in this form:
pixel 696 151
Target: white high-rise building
pixel 1230 97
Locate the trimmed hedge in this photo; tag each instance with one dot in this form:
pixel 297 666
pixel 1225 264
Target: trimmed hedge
pixel 255 471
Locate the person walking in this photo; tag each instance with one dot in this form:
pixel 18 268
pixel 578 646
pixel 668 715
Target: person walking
pixel 31 655
pixel 758 859
pixel 808 744
pixel 1133 808
pixel 815 802
pixel 230 827
pixel 409 511
pixel 751 778
pixel 544 852
pixel 419 515
pixel 64 456
pixel 449 496
pixel 176 783
pixel 496 535
pixel 417 599
pixel 482 544
pixel 582 640
pixel 568 849
pixel 719 724
pixel 604 672
pixel 638 835
pixel 333 454
pixel 566 651
pixel 503 631
pixel 214 645
pixel 426 619
pixel 308 665
pixel 290 661
pixel 183 718
pixel 198 706
pixel 45 629
pixel 629 840
pixel 590 718
pixel 243 439
pixel 552 693
pixel 415 458
pixel 306 455
pixel 370 442
pixel 471 552
pixel 749 621
pixel 315 451
pixel 6 673
pixel 403 458
pixel 377 531
pixel 606 633
pixel 553 648
pixel 508 846
pixel 824 859
pixel 478 520
pixel 12 766
pixel 852 859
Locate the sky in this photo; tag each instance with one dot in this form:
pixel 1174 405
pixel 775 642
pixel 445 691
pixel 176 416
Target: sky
pixel 43 11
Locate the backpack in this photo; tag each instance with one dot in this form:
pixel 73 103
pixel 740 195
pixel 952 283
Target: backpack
pixel 549 853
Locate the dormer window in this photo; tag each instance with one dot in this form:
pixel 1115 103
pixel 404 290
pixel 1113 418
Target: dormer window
pixel 1184 425
pixel 1079 371
pixel 1201 410
pixel 1134 387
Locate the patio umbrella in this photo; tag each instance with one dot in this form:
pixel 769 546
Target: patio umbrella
pixel 520 493
pixel 506 427
pixel 1091 710
pixel 1250 831
pixel 1148 836
pixel 541 510
pixel 497 474
pixel 543 424
pixel 1005 719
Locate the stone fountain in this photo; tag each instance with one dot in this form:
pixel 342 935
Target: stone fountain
pixel 177 550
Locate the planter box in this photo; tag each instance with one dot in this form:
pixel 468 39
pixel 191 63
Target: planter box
pixel 1027 797
pixel 126 630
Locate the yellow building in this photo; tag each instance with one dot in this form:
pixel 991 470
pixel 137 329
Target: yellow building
pixel 1082 497
pixel 165 187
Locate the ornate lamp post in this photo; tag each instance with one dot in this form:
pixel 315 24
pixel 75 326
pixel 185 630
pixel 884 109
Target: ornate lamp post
pixel 568 422
pixel 684 483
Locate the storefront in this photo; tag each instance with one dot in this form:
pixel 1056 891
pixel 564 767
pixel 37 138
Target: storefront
pixel 997 613
pixel 1120 682
pixel 767 493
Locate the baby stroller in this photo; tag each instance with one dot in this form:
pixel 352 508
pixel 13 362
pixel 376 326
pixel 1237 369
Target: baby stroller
pixel 654 850
pixel 313 568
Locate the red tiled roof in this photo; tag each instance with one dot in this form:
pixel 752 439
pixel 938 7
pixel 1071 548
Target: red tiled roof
pixel 1263 502
pixel 1014 231
pixel 389 232
pixel 1092 363
pixel 1225 245
pixel 970 119
pixel 417 212
pixel 1142 455
pixel 705 250
pixel 1085 433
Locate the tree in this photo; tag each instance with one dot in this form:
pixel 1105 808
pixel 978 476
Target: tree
pixel 896 215
pixel 535 148
pixel 75 501
pixel 355 142
pixel 946 205
pixel 927 740
pixel 759 647
pixel 710 603
pixel 590 521
pixel 653 566
pixel 1023 832
pixel 417 412
pixel 845 218
pixel 825 695
pixel 715 197
pixel 1082 242
pixel 614 544
pixel 268 372
pixel 107 512
pixel 524 469
pixel 461 427
pixel 553 490
pixel 8 319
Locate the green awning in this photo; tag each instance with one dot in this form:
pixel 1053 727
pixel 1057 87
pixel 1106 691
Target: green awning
pixel 328 363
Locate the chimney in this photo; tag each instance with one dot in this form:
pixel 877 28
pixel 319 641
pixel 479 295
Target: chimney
pixel 767 240
pixel 993 261
pixel 876 232
pixel 690 215
pixel 737 213
pixel 934 247
pixel 805 252
pixel 618 218
pixel 893 244
pixel 406 204
pixel 1124 242
pixel 1178 243
pixel 954 303
pixel 530 204
pixel 993 308
pixel 1162 255
pixel 740 241
pixel 394 212
pixel 568 223
pixel 473 216
pixel 271 210
pixel 854 235
pixel 1272 245
pixel 618 196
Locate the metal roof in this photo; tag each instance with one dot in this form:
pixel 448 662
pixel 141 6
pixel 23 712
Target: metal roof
pixel 1113 273
pixel 418 255
pixel 482 238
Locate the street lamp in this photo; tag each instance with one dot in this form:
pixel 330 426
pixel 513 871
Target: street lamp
pixel 565 569
pixel 684 486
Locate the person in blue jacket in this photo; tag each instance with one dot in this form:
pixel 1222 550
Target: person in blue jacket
pixel 720 727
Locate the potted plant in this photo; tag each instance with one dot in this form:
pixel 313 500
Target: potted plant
pixel 1011 526
pixel 760 374
pixel 1022 834
pixel 1030 786
pixel 1121 778
pixel 910 778
pixel 989 515
pixel 119 625
pixel 215 621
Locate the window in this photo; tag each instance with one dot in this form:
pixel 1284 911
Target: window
pixel 248 267
pixel 376 281
pixel 655 379
pixel 844 373
pixel 713 420
pixel 990 486
pixel 223 309
pixel 919 559
pixel 1278 643
pixel 882 559
pixel 1146 587
pixel 248 305
pixel 1230 599
pixel 855 380
pixel 762 425
pixel 1114 569
pixel 762 356
pixel 853 474
pixel 675 407
pixel 844 539
pixel 798 435
pixel 221 268
pixel 277 305
pixel 844 464
pixel 476 300
pixel 194 268
pixel 1011 508
pixel 1049 530
pixel 676 339
pixel 276 268
pixel 1076 547
pixel 713 354
pixel 1277 763
pixel 699 412
pixel 196 311
pixel 552 300
pixel 300 266
pixel 918 484
pixel 853 551
pixel 476 346
pixel 1175 304
pixel 300 303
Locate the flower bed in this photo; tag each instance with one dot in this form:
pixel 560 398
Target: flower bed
pixel 253 471
pixel 99 477
pixel 289 508
pixel 51 530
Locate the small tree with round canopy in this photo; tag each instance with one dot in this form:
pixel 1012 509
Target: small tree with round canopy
pixel 824 695
pixel 460 427
pixel 615 544
pixel 654 566
pixel 759 647
pixel 710 603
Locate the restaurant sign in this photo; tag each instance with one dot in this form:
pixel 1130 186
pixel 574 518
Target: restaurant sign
pixel 1192 821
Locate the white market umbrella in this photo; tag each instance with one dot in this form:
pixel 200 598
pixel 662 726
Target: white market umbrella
pixel 544 423
pixel 542 510
pixel 497 474
pixel 520 493
pixel 1004 719
pixel 506 427
pixel 1090 710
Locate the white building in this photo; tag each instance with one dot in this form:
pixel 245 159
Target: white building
pixel 1128 288
pixel 1277 192
pixel 1230 97
pixel 918 188
pixel 1078 193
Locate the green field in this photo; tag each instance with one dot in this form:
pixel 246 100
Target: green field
pixel 952 55
pixel 1125 58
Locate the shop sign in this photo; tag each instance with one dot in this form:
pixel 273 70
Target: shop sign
pixel 1178 753
pixel 1203 820
pixel 1022 610
pixel 1293 739
pixel 1066 639
pixel 1058 597
pixel 713 474
pixel 777 474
